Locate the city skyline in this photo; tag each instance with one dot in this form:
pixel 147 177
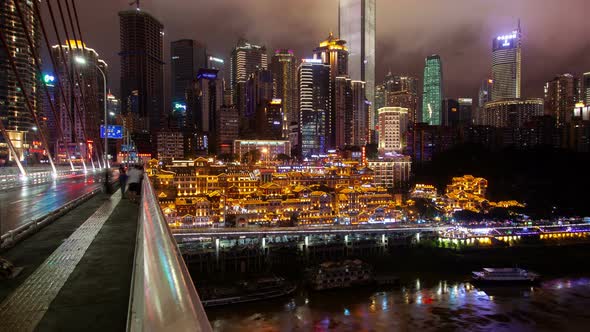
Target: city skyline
pixel 401 43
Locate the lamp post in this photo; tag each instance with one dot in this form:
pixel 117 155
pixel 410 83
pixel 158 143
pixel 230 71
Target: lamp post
pixel 82 61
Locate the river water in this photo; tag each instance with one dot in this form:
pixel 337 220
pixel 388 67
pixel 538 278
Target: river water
pixel 420 303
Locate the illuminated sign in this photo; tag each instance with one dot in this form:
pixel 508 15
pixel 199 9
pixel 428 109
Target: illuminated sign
pixel 276 101
pixel 179 106
pixel 48 78
pixel 113 131
pixel 211 76
pixel 312 61
pixel 511 36
pixel 214 59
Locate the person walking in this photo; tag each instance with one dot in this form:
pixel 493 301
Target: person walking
pixel 122 179
pixel 134 179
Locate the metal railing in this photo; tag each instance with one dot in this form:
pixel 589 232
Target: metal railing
pixel 163 296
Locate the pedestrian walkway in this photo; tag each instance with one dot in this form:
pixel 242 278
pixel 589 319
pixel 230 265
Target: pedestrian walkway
pixel 83 283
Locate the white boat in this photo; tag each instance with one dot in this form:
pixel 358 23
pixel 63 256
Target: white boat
pixel 344 274
pixel 504 276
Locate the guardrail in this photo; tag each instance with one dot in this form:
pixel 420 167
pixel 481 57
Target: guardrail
pixel 10 180
pixel 163 296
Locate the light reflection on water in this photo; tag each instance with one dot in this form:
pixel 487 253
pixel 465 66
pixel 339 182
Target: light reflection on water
pixel 418 305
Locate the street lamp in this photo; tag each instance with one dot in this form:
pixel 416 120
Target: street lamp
pixel 82 61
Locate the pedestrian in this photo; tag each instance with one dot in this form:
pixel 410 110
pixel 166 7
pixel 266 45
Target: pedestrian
pixel 122 179
pixel 134 179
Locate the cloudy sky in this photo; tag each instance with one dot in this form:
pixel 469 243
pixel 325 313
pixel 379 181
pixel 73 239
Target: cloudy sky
pixel 556 33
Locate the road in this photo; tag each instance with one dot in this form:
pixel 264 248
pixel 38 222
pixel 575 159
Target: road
pixel 21 205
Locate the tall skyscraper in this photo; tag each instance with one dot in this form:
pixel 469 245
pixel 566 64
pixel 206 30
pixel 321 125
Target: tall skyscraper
pixel 78 126
pixel 142 93
pixel 357 25
pixel 343 111
pixel 507 66
pixel 484 96
pixel 259 90
pixel 360 115
pixel 561 95
pixel 402 91
pixel 314 105
pixel 586 91
pixel 187 57
pixel 392 126
pixel 204 101
pixel 433 91
pixel 333 52
pixel 13 109
pixel 246 59
pixel 284 77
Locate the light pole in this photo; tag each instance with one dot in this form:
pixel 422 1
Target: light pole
pixel 82 61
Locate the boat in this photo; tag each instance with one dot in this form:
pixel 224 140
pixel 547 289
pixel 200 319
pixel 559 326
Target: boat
pixel 504 276
pixel 260 289
pixel 348 273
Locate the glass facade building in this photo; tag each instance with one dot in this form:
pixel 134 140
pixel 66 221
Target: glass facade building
pixel 507 66
pixel 433 91
pixel 357 23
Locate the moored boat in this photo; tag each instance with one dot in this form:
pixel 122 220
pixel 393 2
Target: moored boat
pixel 504 276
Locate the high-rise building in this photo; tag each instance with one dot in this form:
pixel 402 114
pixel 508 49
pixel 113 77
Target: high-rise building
pixel 484 96
pixel 402 91
pixel 561 95
pixel 314 105
pixel 259 91
pixel 284 77
pixel 187 57
pixel 400 83
pixel 271 122
pixel 333 52
pixel 450 112
pixel 360 115
pixel 204 101
pixel 433 91
pixel 380 96
pixel 142 92
pixel 227 128
pixel 507 66
pixel 465 111
pixel 357 25
pixel 343 111
pixel 77 127
pixel 13 110
pixel 586 91
pixel 246 59
pixel 392 126
pixel 511 113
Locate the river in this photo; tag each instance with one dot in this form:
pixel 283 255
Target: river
pixel 421 303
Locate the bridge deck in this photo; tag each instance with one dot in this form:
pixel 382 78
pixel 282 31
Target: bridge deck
pixel 77 271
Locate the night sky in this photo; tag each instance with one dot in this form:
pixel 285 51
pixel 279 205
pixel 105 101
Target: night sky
pixel 556 33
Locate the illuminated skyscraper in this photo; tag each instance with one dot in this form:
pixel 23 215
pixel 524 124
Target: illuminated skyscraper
pixel 187 57
pixel 357 24
pixel 402 91
pixel 284 74
pixel 507 66
pixel 484 96
pixel 204 101
pixel 13 110
pixel 333 52
pixel 246 59
pixel 142 93
pixel 360 114
pixel 343 111
pixel 392 126
pixel 433 91
pixel 314 104
pixel 586 91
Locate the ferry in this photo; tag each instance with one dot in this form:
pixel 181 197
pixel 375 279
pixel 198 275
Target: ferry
pixel 348 273
pixel 260 289
pixel 504 276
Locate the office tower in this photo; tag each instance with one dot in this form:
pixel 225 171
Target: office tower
pixel 433 91
pixel 511 113
pixel 399 83
pixel 258 93
pixel 50 123
pixel 113 105
pixel 187 57
pixel 465 111
pixel 392 126
pixel 380 96
pixel 333 52
pixel 227 128
pixel 360 114
pixel 484 96
pixel 357 24
pixel 561 95
pixel 204 100
pixel 402 91
pixel 284 78
pixel 142 93
pixel 246 59
pixel 314 105
pixel 450 112
pixel 586 91
pixel 216 62
pixel 343 111
pixel 14 113
pixel 507 66
pixel 271 122
pixel 77 127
